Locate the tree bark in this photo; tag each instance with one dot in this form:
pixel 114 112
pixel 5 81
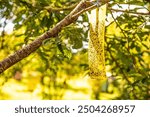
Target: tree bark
pixel 33 46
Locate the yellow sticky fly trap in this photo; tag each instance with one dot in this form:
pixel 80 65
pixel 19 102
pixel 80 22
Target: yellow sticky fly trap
pixel 96 43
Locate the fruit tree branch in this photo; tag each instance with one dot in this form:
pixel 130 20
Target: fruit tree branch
pixel 33 46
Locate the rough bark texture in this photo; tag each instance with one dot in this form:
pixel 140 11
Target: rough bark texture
pixel 28 49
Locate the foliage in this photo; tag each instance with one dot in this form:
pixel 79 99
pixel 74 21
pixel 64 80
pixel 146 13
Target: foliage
pixel 63 60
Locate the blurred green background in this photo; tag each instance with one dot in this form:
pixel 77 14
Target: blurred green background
pixel 59 68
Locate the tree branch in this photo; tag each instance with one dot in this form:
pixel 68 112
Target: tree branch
pixel 33 46
pixel 127 11
pixel 50 9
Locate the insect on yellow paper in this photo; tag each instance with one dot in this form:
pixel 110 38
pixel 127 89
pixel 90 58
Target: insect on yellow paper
pixel 96 43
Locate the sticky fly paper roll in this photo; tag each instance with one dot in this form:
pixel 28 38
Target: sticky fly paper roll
pixel 96 43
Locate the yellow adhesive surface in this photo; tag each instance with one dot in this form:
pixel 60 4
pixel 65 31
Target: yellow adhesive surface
pixel 96 43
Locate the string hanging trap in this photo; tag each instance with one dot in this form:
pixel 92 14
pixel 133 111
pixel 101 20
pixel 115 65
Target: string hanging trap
pixel 96 42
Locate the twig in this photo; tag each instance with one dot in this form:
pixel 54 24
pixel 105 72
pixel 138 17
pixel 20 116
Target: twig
pixel 84 10
pixel 127 11
pixel 50 9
